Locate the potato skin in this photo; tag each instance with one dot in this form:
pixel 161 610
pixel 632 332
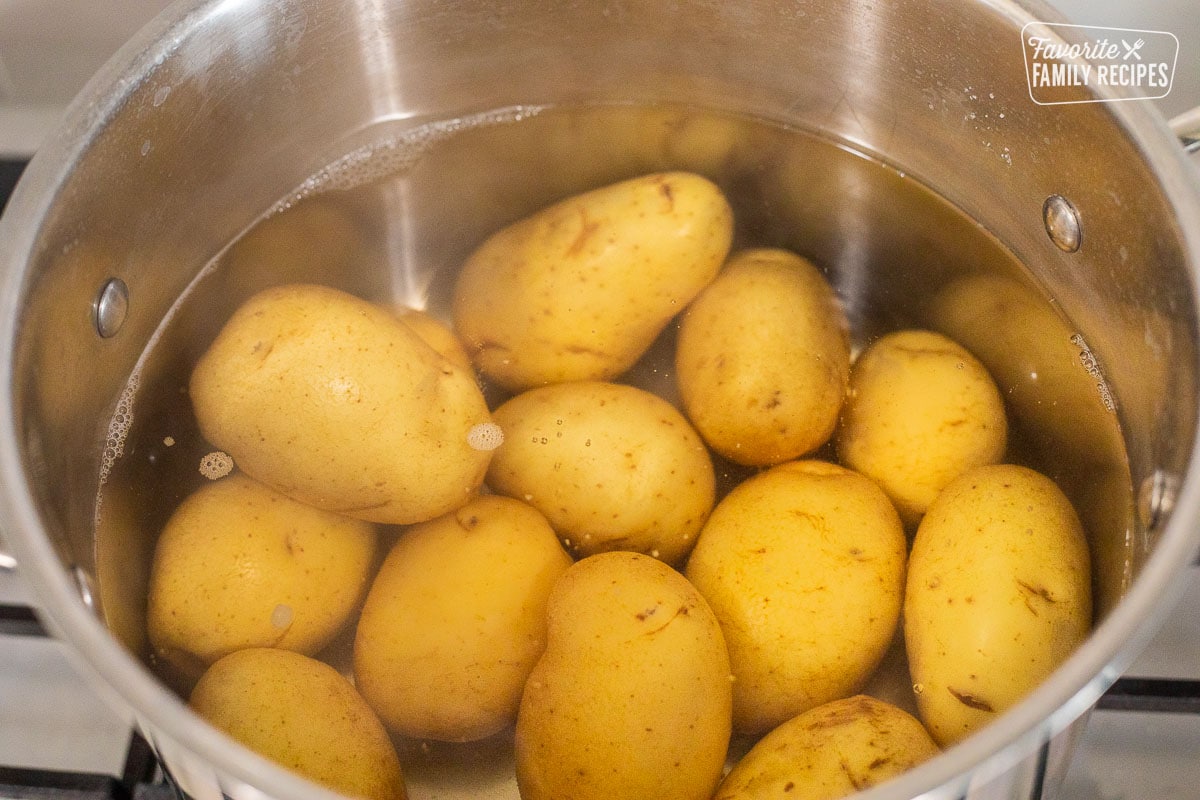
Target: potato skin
pixel 579 290
pixel 804 567
pixel 455 620
pixel 763 359
pixel 437 335
pixel 998 595
pixel 302 714
pixel 631 698
pixel 829 752
pixel 921 410
pixel 239 565
pixel 337 403
pixel 611 466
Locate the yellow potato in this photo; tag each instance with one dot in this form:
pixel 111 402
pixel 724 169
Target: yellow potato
pixel 804 567
pixel 763 359
pixel 921 411
pixel 998 595
pixel 631 699
pixel 611 466
pixel 337 403
pixel 581 289
pixel 829 752
pixel 716 146
pixel 1068 418
pixel 303 715
pixel 315 241
pixel 435 334
pixel 1027 345
pixel 455 620
pixel 239 565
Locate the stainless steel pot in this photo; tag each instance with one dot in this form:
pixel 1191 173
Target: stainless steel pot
pixel 221 108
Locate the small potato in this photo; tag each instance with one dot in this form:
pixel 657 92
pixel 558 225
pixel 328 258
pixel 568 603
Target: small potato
pixel 438 336
pixel 239 565
pixel 998 595
pixel 631 698
pixel 1029 347
pixel 335 402
pixel 1052 383
pixel 829 752
pixel 611 466
pixel 303 715
pixel 921 411
pixel 804 566
pixel 581 289
pixel 763 359
pixel 455 620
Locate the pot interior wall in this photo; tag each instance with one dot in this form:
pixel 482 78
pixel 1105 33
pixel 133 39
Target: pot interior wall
pixel 893 143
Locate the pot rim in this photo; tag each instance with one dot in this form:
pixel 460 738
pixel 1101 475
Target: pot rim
pixel 163 716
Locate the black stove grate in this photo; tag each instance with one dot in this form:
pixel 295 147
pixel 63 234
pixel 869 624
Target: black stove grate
pixel 141 776
pixel 10 171
pixel 141 779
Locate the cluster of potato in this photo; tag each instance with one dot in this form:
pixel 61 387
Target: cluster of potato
pixel 567 567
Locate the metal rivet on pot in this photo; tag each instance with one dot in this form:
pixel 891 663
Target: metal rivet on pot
pixel 83 585
pixel 1062 223
pixel 1156 498
pixel 111 307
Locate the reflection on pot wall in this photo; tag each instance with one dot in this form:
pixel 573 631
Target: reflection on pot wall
pixel 831 156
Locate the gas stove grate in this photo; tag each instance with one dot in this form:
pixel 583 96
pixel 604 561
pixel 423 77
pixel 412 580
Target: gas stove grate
pixel 142 779
pixel 10 171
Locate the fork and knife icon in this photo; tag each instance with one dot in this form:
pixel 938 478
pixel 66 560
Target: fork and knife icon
pixel 1132 49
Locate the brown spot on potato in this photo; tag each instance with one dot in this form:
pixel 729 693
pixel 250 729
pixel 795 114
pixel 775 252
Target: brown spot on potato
pixel 971 701
pixel 1031 591
pixel 669 193
pixel 855 781
pixel 844 715
pixel 679 612
pixel 262 350
pixel 587 228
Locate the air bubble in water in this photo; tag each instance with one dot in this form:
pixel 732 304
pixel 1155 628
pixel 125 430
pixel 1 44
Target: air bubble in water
pixel 485 436
pixel 281 616
pixel 393 155
pixel 1092 366
pixel 118 427
pixel 216 465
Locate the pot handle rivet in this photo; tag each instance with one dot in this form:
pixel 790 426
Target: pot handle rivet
pixel 111 307
pixel 1156 498
pixel 1062 223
